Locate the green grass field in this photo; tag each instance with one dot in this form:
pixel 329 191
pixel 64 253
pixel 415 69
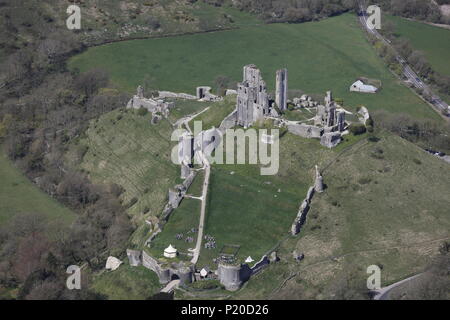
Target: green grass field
pixel 216 113
pixel 320 56
pixel 255 212
pixel 19 195
pixel 182 220
pixel 433 41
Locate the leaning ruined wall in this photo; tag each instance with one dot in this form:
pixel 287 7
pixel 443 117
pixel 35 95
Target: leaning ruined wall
pixel 261 264
pixel 302 212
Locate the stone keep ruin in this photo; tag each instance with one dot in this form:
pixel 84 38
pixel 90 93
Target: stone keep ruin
pixel 253 104
pixel 252 97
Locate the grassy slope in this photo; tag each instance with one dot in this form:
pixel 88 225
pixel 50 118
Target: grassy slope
pixel 134 154
pixel 320 56
pixel 215 114
pixel 375 211
pixel 127 283
pixel 19 195
pixel 434 42
pixel 183 219
pixel 254 211
pixel 117 19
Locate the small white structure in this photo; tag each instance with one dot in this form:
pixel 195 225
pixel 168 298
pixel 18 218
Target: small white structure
pixel 249 260
pixel 170 252
pixel 203 273
pixel 112 263
pixel 359 86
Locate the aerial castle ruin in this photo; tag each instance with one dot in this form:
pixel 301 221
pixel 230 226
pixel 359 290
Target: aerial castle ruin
pixel 253 104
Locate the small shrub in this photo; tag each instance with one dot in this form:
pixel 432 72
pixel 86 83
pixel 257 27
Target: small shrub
pixel 357 129
pixel 364 180
pixel 417 161
pixel 142 111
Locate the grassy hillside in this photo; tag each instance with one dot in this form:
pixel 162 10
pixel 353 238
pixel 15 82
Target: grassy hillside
pixel 115 19
pixel 127 283
pixel 320 56
pixel 183 219
pixel 239 197
pixel 123 147
pixel 434 42
pixel 19 195
pixel 386 203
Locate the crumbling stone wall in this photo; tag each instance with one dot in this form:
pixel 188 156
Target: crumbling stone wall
pixel 305 206
pixel 305 131
pixel 165 274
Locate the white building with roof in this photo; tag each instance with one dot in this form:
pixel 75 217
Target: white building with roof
pixel 360 86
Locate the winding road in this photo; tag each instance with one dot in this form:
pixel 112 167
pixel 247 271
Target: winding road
pixel 383 293
pixel 408 72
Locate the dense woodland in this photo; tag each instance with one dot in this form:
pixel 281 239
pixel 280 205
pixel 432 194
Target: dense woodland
pixel 44 107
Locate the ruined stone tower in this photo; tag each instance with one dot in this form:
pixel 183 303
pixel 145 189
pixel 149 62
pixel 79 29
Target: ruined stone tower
pixel 252 99
pixel 281 89
pixel 318 184
pixel 341 121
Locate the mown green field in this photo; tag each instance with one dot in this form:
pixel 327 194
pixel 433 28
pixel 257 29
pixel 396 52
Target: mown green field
pixel 433 41
pixel 320 56
pixel 19 195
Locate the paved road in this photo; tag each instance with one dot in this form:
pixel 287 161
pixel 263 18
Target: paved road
pixel 383 293
pixel 203 208
pixel 408 72
pixel 171 286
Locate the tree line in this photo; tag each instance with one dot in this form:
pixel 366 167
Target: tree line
pixel 44 109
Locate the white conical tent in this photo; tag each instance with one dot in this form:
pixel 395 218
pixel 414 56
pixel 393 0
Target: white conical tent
pixel 170 252
pixel 249 259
